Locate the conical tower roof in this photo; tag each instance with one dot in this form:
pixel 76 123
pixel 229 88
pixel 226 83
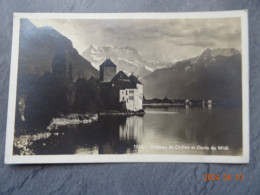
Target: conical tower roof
pixel 108 63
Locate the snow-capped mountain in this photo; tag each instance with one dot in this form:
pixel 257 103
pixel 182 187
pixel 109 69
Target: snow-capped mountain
pixel 215 74
pixel 210 55
pixel 127 58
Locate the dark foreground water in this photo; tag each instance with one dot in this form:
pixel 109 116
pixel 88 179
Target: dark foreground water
pixel 160 131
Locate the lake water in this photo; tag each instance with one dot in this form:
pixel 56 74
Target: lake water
pixel 169 130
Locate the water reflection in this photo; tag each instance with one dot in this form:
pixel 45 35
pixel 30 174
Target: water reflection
pixel 157 131
pixel 197 127
pixel 132 129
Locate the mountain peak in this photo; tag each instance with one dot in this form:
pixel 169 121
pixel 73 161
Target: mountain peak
pixel 207 50
pixel 27 26
pixel 130 48
pixel 220 52
pixel 41 47
pixel 92 46
pixel 225 52
pixel 206 53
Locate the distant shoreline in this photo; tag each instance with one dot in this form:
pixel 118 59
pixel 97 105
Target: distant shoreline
pixel 163 104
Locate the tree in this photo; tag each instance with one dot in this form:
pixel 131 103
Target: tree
pixel 49 97
pixel 87 96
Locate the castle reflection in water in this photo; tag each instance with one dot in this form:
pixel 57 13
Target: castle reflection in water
pixel 113 135
pixel 132 130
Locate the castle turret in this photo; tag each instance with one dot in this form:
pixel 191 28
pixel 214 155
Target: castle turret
pixel 107 71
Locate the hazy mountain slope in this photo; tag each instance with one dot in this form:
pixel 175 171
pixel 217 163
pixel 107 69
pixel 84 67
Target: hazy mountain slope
pixel 38 47
pixel 215 74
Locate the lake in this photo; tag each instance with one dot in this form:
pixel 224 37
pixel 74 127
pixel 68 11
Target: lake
pixel 162 130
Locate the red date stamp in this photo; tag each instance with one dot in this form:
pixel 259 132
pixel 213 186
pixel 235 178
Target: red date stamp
pixel 225 177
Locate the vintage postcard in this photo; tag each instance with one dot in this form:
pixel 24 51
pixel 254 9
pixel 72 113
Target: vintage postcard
pixel 129 87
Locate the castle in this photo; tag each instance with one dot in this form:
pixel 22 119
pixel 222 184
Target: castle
pixel 120 91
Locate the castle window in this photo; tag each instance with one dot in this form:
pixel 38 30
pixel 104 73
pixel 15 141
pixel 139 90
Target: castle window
pixel 131 97
pixel 131 91
pixel 126 92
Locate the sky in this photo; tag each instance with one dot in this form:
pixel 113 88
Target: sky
pixel 165 39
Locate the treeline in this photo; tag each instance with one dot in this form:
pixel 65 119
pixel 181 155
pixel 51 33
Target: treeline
pixel 164 100
pixel 183 102
pixel 41 98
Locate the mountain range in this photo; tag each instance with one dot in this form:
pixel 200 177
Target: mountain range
pixel 38 47
pixel 127 58
pixel 215 74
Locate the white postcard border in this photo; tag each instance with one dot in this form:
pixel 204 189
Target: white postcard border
pixel 107 158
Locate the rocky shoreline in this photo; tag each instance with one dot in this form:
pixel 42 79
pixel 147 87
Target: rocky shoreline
pixel 72 119
pixel 22 143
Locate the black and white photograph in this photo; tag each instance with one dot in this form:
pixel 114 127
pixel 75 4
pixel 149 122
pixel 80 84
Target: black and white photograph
pixel 136 87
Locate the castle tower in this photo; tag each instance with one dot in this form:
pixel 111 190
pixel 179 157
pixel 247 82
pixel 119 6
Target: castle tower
pixel 107 71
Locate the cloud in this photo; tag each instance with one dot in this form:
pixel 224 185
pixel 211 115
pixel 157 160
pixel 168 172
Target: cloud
pixel 184 37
